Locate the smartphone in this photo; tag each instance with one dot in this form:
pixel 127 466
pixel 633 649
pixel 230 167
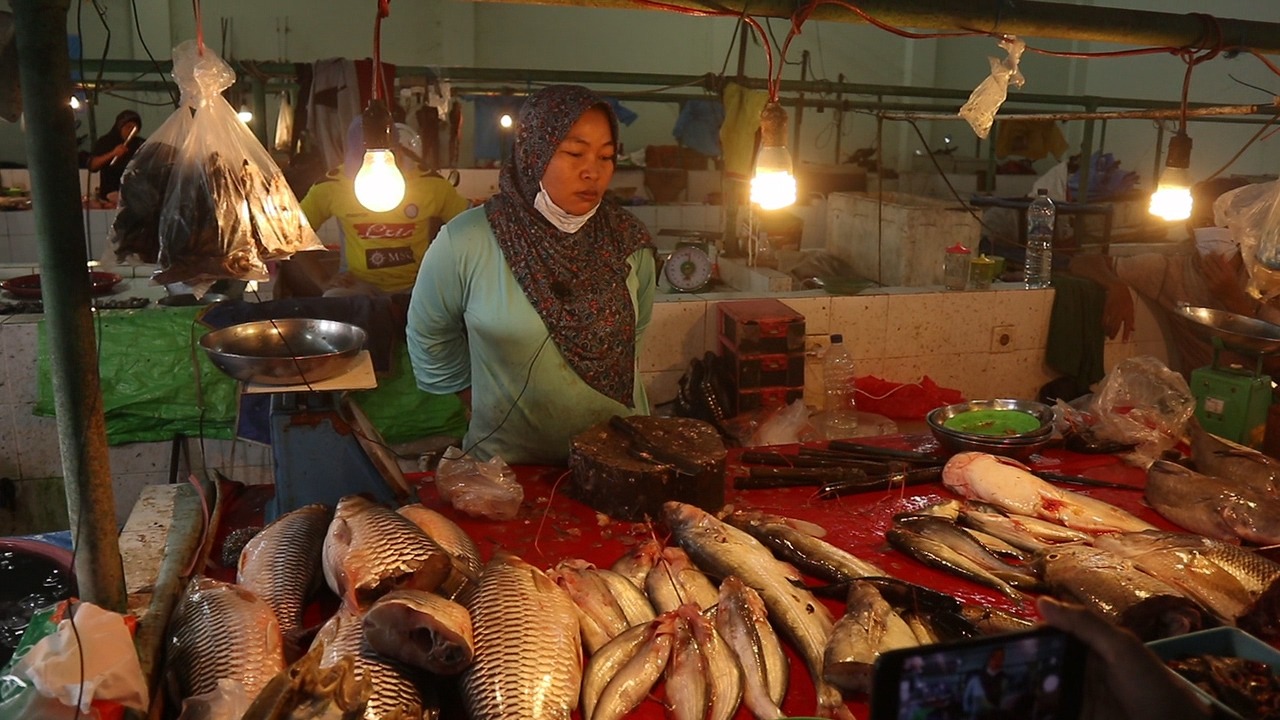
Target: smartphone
pixel 1028 675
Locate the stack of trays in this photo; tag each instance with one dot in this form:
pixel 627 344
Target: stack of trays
pixel 1015 444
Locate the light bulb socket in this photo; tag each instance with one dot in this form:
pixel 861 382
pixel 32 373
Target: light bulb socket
pixel 773 126
pixel 1179 151
pixel 376 122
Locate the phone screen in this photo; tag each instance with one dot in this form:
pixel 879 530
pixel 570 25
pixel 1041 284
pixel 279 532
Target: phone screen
pixel 1032 675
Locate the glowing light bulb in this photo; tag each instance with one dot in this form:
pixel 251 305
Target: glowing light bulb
pixel 1172 198
pixel 74 103
pixel 505 121
pixel 379 184
pixel 245 114
pixel 773 186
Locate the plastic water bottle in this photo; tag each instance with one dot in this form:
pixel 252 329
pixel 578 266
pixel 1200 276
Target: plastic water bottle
pixel 1041 215
pixel 838 375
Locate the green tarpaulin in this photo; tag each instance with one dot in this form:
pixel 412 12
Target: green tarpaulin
pixel 158 383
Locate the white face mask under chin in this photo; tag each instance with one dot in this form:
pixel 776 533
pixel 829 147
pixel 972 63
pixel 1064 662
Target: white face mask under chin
pixel 558 217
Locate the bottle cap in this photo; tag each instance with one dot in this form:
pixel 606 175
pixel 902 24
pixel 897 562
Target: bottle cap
pixel 837 338
pixel 958 248
pixel 1042 191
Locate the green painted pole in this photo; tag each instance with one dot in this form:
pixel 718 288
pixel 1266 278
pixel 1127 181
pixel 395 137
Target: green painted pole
pixel 45 71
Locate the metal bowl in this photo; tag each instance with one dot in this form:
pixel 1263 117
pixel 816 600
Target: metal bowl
pixel 1235 331
pixel 292 351
pixel 1019 446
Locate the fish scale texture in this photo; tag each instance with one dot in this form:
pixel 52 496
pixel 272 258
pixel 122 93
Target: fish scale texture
pixel 281 564
pixel 528 662
pixel 369 543
pixel 223 631
pixel 393 692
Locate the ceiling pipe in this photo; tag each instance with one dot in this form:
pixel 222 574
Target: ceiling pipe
pixel 1025 18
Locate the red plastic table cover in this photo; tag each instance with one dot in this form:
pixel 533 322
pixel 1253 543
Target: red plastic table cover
pixel 552 527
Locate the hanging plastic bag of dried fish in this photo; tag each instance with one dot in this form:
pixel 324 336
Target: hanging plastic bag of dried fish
pixel 202 198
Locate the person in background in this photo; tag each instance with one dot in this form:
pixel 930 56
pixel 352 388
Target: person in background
pixel 112 152
pixel 1206 272
pixel 985 691
pixel 1124 680
pixel 382 249
pixel 532 307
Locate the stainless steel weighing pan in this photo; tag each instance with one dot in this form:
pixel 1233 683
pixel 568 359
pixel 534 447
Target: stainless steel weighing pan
pixel 292 351
pixel 1236 332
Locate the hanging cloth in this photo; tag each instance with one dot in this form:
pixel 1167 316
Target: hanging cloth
pixel 284 124
pixel 738 133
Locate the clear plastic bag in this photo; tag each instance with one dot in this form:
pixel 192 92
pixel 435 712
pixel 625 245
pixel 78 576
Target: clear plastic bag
pixel 202 198
pixel 785 426
pixel 480 489
pixel 986 99
pixel 1144 402
pixel 1253 215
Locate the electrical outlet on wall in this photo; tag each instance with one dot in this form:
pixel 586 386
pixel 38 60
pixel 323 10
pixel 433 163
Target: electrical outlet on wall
pixel 1002 337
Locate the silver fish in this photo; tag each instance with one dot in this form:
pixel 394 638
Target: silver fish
pixel 606 662
pixel 868 628
pixel 743 623
pixel 724 550
pixel 990 620
pixel 1025 533
pixel 1233 462
pixel 600 616
pixel 635 565
pixel 281 564
pixel 634 603
pixel 789 541
pixel 1213 506
pixel 723 672
pixel 1116 588
pixel 528 662
pixel 688 695
pixel 674 580
pixel 960 541
pixel 1184 568
pixel 370 549
pixel 636 678
pixel 221 632
pixel 1255 572
pixel 943 556
pixel 394 688
pixel 421 629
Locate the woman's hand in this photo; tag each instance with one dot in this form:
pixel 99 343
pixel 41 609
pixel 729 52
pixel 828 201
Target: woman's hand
pixel 1222 278
pixel 1123 678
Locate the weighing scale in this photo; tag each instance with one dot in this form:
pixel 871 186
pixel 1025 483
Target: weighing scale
pixel 1232 400
pixel 323 447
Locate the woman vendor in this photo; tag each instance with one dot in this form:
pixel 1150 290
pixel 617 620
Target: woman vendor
pixel 112 152
pixel 531 307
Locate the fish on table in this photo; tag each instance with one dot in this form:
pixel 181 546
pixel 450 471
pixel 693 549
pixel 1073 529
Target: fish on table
pixel 1214 506
pixel 800 543
pixel 395 688
pixel 281 564
pixel 724 550
pixel 528 649
pixel 421 629
pixel 869 627
pixel 1014 488
pixel 1219 457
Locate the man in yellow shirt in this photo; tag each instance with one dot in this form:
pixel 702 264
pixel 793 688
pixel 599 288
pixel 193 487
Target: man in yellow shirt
pixel 382 249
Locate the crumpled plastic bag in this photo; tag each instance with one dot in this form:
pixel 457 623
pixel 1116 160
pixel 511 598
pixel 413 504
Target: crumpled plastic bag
pixel 1144 402
pixel 202 198
pixel 986 99
pixel 785 426
pixel 50 680
pixel 480 489
pixel 227 701
pixel 1253 215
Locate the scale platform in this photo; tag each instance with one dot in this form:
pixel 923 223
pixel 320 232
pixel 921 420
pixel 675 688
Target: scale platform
pixel 323 446
pixel 1233 401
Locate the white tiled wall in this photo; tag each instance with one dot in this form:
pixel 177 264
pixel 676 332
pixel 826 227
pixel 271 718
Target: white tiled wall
pixel 899 335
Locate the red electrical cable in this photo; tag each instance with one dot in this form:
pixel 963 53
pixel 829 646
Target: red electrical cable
pixel 384 10
pixel 195 4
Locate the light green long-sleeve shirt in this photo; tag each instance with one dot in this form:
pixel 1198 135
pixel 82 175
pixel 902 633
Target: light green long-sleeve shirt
pixel 470 325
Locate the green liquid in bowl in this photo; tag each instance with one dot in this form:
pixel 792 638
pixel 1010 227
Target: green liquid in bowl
pixel 993 422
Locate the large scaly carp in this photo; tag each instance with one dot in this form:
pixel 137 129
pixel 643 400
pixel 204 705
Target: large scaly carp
pixel 1012 487
pixel 1183 566
pixel 1234 462
pixel 222 632
pixel 528 661
pixel 1213 506
pixel 395 689
pixel 724 550
pixel 281 564
pixel 369 550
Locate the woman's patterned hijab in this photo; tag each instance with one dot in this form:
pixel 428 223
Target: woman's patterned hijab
pixel 577 282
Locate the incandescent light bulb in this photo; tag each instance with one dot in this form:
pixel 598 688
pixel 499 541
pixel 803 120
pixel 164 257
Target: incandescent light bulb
pixel 1172 198
pixel 379 184
pixel 773 185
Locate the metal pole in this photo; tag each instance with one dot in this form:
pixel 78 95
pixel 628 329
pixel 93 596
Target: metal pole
pixel 260 110
pixel 1086 161
pixel 795 144
pixel 731 188
pixel 45 69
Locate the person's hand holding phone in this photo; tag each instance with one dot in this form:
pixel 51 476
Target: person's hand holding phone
pixel 1123 678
